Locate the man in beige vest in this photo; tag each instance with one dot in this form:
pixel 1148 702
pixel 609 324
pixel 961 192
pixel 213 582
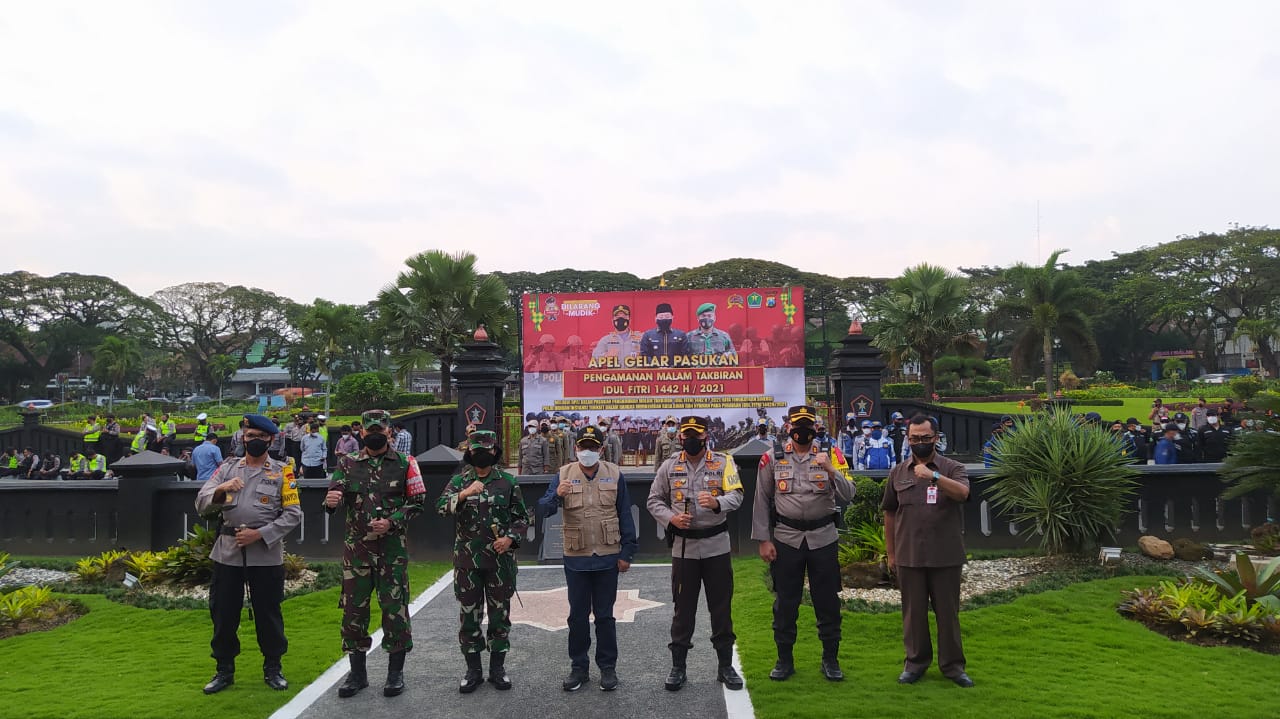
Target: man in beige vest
pixel 599 542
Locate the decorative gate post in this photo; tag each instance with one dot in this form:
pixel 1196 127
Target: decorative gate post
pixel 856 369
pixel 480 378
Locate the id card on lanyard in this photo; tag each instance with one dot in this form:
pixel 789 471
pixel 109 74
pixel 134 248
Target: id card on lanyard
pixel 931 494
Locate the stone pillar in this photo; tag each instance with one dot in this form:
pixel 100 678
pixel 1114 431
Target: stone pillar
pixel 140 476
pixel 856 369
pixel 480 378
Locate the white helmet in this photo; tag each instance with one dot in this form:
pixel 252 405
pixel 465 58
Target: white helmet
pixel 202 416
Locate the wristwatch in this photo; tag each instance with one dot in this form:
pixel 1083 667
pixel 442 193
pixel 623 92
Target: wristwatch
pixel 935 477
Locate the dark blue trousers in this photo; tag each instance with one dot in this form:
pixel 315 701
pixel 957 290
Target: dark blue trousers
pixel 592 593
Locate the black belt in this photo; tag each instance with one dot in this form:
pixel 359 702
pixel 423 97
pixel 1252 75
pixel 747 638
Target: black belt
pixel 806 525
pixel 228 531
pixel 702 533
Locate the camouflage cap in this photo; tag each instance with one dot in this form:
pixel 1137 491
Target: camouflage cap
pixel 482 439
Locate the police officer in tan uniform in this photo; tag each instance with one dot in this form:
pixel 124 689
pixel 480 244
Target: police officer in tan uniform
pixel 256 500
pixel 691 496
pixel 798 489
pixel 535 451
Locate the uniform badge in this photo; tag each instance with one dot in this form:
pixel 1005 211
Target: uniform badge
pixel 679 496
pixel 822 486
pixel 784 485
pixel 265 500
pixel 678 483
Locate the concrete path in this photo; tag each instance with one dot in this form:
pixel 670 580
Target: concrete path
pixel 538 662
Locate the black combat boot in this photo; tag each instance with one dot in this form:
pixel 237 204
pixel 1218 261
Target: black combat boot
pixel 831 662
pixel 786 665
pixel 357 678
pixel 498 671
pixel 726 674
pixel 474 676
pixel 677 677
pixel 223 678
pixel 395 675
pixel 273 676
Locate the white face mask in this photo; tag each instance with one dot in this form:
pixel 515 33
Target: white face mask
pixel 588 458
pixel 1211 420
pixel 866 431
pixel 671 430
pixel 533 430
pixel 1182 425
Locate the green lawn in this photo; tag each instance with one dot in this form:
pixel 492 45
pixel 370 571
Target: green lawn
pixel 1133 407
pixel 119 661
pixel 1064 653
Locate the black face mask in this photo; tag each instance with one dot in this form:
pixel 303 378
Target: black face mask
pixel 802 436
pixel 693 445
pixel 621 324
pixel 375 441
pixel 482 458
pixel 544 429
pixel 256 447
pixel 822 433
pixel 923 450
pixel 664 325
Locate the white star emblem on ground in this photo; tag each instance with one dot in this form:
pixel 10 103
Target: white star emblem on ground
pixel 549 609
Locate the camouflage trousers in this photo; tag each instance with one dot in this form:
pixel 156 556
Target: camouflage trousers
pixel 477 589
pixel 382 565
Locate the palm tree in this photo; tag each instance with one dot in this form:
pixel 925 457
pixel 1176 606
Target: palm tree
pixel 436 305
pixel 1263 333
pixel 925 313
pixel 119 360
pixel 333 328
pixel 1045 304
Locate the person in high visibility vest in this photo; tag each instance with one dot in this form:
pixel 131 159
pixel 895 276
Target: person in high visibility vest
pixel 168 431
pixel 92 466
pixel 74 463
pixel 9 463
pixel 92 431
pixel 202 426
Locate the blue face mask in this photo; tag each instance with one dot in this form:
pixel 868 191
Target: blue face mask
pixel 671 430
pixel 875 434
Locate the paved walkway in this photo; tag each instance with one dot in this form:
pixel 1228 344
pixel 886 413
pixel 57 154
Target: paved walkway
pixel 538 662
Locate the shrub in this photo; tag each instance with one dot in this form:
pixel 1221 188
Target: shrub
pixel 1245 581
pixel 988 386
pixel 28 604
pixel 1253 462
pixel 1266 537
pixel 1065 482
pixel 1103 377
pixel 365 390
pixel 1038 386
pixel 1068 380
pixel 415 399
pixel 1201 610
pixel 187 562
pixel 5 565
pixel 902 390
pixel 863 543
pixel 865 506
pixel 1246 387
pixel 294 566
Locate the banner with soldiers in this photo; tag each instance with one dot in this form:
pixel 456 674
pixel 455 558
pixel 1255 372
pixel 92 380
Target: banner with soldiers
pixel 629 359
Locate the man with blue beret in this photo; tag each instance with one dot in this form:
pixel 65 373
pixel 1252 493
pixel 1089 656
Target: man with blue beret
pixel 255 499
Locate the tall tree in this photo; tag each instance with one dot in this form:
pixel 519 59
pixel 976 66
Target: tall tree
pixel 118 360
pixel 207 319
pixel 334 330
pixel 925 313
pixel 436 305
pixel 1048 305
pixel 1263 332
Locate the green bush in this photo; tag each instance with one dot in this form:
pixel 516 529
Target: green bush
pixel 415 399
pixel 989 386
pixel 1201 610
pixel 1062 481
pixel 865 506
pixel 1266 537
pixel 1246 387
pixel 366 390
pixel 902 390
pixel 1246 581
pixel 188 562
pixel 1098 403
pixel 5 565
pixel 1038 385
pixel 1253 462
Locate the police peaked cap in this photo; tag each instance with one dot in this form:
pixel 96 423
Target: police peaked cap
pixel 591 433
pixel 698 424
pixel 802 413
pixel 261 423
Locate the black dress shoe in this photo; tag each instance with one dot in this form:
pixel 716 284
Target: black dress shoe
pixel 909 677
pixel 781 671
pixel 275 679
pixel 962 680
pixel 831 670
pixel 220 681
pixel 608 680
pixel 675 679
pixel 575 680
pixel 729 677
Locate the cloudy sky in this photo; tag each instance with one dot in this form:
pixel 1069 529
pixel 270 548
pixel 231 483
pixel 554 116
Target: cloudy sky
pixel 309 147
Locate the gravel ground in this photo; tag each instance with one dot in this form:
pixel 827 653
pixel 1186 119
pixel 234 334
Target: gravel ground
pixel 988 575
pixel 22 576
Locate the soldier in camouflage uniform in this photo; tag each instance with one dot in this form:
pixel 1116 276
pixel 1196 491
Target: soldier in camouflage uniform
pixel 490 519
pixel 380 490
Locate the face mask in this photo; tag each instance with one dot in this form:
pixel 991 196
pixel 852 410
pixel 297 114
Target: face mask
pixel 875 434
pixel 822 432
pixel 664 325
pixel 706 322
pixel 588 458
pixel 604 428
pixel 564 425
pixel 922 450
pixel 1182 426
pixel 693 445
pixel 256 447
pixel 866 430
pixel 802 436
pixel 483 458
pixel 621 324
pixel 545 429
pixel 671 430
pixel 1211 420
pixel 533 430
pixel 763 431
pixel 853 426
pixel 375 441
